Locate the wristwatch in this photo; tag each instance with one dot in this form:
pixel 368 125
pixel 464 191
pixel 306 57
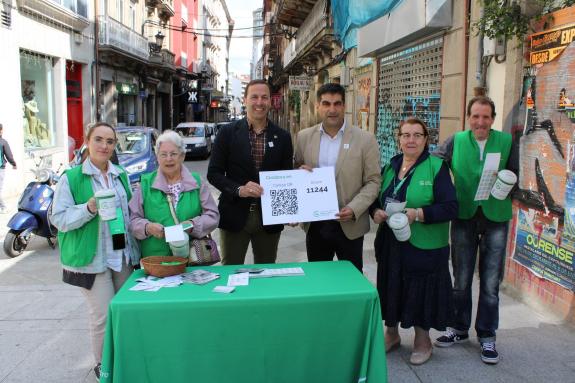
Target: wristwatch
pixel 416 214
pixel 238 191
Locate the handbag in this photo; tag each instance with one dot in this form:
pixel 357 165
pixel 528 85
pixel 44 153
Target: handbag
pixel 203 251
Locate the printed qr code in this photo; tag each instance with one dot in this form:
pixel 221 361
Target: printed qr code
pixel 284 202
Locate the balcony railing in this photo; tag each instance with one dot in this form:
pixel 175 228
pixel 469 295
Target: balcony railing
pixel 72 12
pixel 166 8
pixel 115 34
pixel 164 57
pixel 316 21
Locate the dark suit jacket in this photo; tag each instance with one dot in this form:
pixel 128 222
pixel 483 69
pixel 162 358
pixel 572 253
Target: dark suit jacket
pixel 232 166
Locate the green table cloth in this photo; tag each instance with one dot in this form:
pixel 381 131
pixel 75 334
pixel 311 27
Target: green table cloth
pixel 322 327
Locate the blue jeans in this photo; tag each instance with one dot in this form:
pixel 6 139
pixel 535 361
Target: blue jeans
pixel 491 238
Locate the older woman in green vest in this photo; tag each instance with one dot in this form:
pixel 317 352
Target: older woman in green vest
pixel 97 255
pixel 150 207
pixel 413 277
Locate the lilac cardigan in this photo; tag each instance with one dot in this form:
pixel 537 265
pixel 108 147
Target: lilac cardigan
pixel 204 224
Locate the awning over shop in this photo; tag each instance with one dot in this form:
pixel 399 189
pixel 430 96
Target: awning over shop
pixel 392 30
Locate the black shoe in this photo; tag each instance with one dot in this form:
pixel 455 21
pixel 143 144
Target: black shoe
pixel 450 338
pixel 488 353
pixel 97 370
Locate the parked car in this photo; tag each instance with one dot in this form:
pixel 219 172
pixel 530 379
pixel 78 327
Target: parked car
pixel 197 137
pixel 136 150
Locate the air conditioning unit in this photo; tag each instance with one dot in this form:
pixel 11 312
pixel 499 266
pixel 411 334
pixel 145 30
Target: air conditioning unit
pixel 493 47
pixel 78 38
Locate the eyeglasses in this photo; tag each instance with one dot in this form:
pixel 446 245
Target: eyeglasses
pixel 407 136
pixel 108 142
pixel 164 155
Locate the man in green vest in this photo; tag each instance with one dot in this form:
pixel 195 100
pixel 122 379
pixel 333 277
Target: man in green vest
pixel 481 223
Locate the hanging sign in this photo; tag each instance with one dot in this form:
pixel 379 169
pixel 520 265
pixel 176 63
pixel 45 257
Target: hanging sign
pixel 277 101
pixel 547 45
pixel 300 83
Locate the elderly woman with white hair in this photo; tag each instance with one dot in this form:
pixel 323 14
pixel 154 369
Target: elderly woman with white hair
pixel 189 193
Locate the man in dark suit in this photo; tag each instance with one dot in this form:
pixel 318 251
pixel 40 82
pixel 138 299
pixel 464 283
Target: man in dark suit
pixel 241 150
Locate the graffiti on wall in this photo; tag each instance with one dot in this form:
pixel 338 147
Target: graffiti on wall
pixel 389 118
pixel 362 98
pixel 547 171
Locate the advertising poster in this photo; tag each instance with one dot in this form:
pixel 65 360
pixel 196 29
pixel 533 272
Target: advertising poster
pixel 362 98
pixel 539 247
pixel 545 235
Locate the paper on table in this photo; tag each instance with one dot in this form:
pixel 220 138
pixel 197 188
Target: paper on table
pixel 174 233
pixel 239 279
pixel 394 207
pixel 223 289
pixel 154 284
pixel 488 176
pixel 281 272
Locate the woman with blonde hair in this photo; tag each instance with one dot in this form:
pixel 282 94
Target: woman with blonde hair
pixel 96 255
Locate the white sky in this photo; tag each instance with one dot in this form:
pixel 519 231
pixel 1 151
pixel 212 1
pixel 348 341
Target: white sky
pixel 241 48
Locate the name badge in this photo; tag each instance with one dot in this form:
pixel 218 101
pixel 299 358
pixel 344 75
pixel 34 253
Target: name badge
pixel 271 144
pixel 346 146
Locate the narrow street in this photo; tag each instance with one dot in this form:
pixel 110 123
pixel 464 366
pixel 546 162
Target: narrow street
pixel 44 332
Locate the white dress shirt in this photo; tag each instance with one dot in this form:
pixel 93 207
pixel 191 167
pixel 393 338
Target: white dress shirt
pixel 329 147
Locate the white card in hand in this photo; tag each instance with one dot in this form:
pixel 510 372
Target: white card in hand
pixel 394 207
pixel 239 279
pixel 174 233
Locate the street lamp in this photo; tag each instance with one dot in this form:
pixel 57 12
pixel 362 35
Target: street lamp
pixel 159 39
pixel 157 46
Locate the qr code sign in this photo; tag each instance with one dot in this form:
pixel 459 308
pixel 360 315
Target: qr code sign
pixel 284 202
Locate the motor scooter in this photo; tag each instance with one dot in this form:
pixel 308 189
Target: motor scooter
pixel 32 217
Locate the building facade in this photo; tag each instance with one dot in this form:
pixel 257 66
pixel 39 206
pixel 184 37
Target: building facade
pixel 47 69
pixel 257 43
pixel 134 69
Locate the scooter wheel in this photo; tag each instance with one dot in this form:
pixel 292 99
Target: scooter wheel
pixel 13 247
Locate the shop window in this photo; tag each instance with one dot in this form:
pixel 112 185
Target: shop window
pixel 37 87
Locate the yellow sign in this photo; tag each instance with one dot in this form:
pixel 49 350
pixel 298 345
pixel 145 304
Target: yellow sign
pixel 547 45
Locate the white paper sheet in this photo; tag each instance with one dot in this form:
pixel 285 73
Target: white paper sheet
pixel 298 196
pixel 281 272
pixel 394 207
pixel 174 233
pixel 488 176
pixel 239 279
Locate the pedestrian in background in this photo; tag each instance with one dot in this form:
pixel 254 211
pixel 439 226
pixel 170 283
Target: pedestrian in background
pixel 5 156
pixel 354 155
pixel 479 225
pixel 242 149
pixel 97 256
pixel 413 279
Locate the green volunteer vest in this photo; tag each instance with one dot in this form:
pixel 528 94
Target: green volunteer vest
pixel 157 210
pixel 420 193
pixel 78 247
pixel 467 169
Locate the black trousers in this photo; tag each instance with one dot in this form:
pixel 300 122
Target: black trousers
pixel 325 239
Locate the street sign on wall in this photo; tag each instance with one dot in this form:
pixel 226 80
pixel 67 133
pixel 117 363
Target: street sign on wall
pixel 277 101
pixel 300 82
